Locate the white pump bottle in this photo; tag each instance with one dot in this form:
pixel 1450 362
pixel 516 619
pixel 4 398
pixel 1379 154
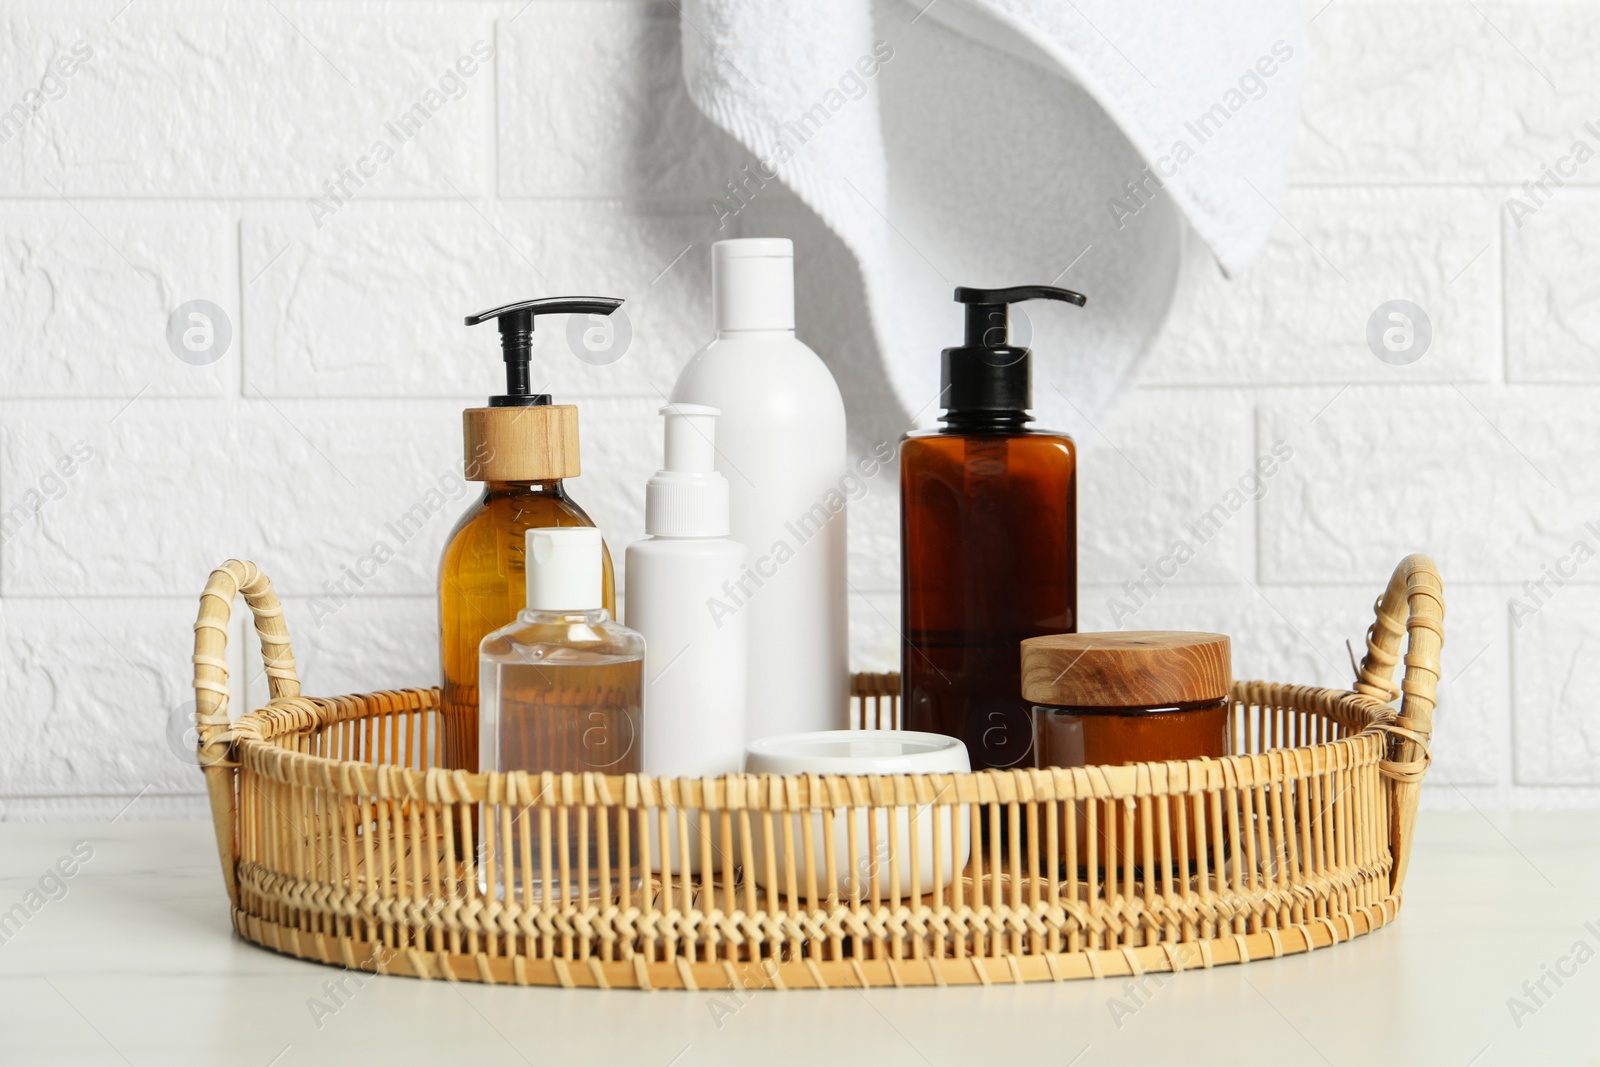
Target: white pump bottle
pixel 695 658
pixel 781 445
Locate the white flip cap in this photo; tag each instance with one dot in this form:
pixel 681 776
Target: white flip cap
pixel 752 284
pixel 687 497
pixel 563 568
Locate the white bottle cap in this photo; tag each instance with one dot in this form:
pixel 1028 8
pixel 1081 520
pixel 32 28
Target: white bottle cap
pixel 752 284
pixel 687 497
pixel 563 568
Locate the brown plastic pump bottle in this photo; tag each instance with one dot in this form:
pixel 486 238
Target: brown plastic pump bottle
pixel 521 447
pixel 988 539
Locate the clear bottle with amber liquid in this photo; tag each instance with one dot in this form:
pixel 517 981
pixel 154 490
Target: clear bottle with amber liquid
pixel 563 692
pixel 988 548
pixel 522 447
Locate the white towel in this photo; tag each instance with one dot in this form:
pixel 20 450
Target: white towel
pixel 1003 142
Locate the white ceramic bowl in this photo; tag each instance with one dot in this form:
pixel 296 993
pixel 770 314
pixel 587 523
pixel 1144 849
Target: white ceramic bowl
pixel 865 752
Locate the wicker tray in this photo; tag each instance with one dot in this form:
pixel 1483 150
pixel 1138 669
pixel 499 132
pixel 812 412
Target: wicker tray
pixel 343 841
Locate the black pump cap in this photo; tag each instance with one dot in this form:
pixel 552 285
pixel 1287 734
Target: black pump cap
pixel 987 378
pixel 516 338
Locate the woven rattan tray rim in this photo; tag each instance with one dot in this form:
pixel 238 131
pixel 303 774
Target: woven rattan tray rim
pixel 255 734
pixel 1394 743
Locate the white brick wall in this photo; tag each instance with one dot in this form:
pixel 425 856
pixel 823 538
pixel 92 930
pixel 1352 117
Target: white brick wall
pixel 178 163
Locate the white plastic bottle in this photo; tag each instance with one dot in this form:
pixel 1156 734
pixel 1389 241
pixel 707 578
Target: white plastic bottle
pixel 695 657
pixel 781 446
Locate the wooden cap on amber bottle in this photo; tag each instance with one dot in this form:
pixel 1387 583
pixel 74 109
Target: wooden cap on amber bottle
pixel 538 443
pixel 1127 669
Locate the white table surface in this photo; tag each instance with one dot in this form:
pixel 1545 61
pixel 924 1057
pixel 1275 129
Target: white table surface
pixel 137 964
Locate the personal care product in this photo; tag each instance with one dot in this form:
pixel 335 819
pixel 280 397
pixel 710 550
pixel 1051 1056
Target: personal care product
pixel 523 448
pixel 695 678
pixel 781 447
pixel 988 539
pixel 1131 697
pixel 883 858
pixel 562 692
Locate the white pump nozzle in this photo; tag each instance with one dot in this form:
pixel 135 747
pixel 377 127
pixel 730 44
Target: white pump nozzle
pixel 689 429
pixel 687 497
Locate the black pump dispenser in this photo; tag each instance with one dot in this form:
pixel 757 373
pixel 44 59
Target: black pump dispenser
pixel 987 379
pixel 516 339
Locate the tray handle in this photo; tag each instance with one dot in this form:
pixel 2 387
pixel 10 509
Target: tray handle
pixel 1413 605
pixel 211 688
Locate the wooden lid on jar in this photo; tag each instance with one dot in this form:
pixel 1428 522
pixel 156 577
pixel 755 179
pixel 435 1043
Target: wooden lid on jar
pixel 1126 669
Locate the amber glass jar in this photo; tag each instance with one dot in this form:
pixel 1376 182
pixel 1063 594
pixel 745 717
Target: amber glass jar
pixel 1131 697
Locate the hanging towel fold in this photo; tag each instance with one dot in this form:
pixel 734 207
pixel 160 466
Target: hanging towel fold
pixel 1000 142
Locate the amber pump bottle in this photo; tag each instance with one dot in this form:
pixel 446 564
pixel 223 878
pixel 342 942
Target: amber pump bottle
pixel 522 447
pixel 988 539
